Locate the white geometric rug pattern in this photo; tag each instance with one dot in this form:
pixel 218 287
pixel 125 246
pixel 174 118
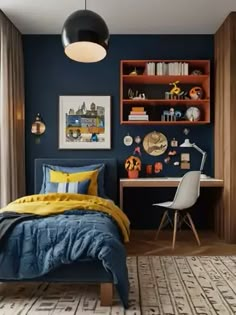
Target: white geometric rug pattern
pixel 159 285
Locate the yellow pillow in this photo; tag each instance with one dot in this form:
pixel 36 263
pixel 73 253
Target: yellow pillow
pixel 61 177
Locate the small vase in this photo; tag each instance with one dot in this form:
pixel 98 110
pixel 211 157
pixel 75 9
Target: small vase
pixel 133 174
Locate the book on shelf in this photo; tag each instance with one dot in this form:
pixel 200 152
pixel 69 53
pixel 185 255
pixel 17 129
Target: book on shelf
pixel 138 117
pixel 138 113
pixel 167 68
pixel 137 109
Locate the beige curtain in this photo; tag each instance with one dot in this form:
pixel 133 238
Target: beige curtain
pixel 12 138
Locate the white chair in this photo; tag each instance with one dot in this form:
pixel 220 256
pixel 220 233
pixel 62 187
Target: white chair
pixel 186 196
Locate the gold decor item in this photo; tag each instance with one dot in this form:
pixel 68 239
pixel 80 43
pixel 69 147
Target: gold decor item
pixel 134 72
pixel 38 128
pixel 155 143
pixel 133 165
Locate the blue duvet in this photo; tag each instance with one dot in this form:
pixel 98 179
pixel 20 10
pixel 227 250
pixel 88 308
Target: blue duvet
pixel 38 246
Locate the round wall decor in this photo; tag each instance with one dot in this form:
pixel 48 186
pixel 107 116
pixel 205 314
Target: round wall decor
pixel 155 143
pixel 128 140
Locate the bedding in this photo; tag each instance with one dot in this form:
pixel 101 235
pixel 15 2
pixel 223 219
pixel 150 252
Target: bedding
pixel 66 229
pixel 74 187
pixel 47 187
pixel 60 177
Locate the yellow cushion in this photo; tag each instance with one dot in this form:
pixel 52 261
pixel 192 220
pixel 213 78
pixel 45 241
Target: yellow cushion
pixel 61 177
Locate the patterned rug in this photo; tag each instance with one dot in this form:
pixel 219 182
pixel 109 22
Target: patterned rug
pixel 159 285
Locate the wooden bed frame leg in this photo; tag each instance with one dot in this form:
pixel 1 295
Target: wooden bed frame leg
pixel 106 291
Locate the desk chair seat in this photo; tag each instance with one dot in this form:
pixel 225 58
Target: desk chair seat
pixel 186 196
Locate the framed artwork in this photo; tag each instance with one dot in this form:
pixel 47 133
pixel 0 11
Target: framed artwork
pixel 84 122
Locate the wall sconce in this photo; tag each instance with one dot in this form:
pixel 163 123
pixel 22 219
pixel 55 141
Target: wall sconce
pixel 38 128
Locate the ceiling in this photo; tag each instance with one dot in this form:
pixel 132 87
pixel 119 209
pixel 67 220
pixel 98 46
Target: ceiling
pixel 122 16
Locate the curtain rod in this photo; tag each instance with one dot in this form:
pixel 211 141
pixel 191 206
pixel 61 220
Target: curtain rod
pixel 7 18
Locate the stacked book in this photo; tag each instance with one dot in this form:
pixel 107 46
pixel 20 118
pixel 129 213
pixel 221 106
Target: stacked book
pixel 170 68
pixel 138 113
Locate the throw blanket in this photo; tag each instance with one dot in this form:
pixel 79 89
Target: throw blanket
pixel 56 203
pixel 88 229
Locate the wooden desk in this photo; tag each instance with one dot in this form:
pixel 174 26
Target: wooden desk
pixel 163 182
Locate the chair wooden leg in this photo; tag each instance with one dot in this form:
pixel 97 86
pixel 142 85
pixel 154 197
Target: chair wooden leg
pixel 193 228
pixel 161 224
pixel 175 228
pixel 106 293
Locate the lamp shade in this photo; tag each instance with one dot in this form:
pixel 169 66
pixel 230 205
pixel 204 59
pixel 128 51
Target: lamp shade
pixel 186 144
pixel 85 36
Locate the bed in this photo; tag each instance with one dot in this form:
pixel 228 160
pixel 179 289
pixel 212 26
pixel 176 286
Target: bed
pixel 86 269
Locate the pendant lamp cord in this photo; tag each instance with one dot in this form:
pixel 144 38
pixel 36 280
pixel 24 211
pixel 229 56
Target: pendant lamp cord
pixel 85 4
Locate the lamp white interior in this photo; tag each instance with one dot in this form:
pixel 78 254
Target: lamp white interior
pixel 85 51
pixel 186 144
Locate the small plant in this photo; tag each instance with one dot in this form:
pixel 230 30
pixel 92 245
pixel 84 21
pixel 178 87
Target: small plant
pixel 133 163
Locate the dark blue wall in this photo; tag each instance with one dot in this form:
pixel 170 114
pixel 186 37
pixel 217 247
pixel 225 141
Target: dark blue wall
pixel 49 73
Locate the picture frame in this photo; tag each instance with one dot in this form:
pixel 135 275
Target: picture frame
pixel 84 122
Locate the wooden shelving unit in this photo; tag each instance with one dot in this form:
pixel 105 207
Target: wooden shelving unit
pixel 156 85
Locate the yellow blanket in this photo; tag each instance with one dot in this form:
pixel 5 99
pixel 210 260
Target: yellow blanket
pixel 55 203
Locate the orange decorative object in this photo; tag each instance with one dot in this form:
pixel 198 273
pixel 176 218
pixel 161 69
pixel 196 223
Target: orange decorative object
pixel 158 167
pixel 133 166
pixel 149 169
pixel 133 163
pixel 133 174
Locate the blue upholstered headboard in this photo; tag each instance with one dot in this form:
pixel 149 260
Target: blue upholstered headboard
pixel 110 172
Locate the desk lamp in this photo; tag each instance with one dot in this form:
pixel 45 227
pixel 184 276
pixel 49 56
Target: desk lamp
pixel 188 144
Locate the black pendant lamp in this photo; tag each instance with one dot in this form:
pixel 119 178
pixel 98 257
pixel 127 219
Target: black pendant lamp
pixel 85 36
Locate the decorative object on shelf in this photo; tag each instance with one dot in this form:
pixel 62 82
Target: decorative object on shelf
pixel 176 89
pixel 193 114
pixel 128 140
pixel 175 92
pixel 178 114
pixel 138 139
pixel 186 131
pixel 149 169
pixel 137 150
pixel 133 166
pixel 136 95
pixel 85 36
pixel 196 93
pixel 38 128
pixel 188 144
pixel 176 163
pixel 141 96
pixel 174 143
pixel 155 143
pixel 134 72
pixel 171 115
pixel 196 72
pixel 182 95
pixel 167 95
pixel 84 122
pixel 158 167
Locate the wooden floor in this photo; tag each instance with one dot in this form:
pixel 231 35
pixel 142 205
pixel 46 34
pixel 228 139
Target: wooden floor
pixel 142 243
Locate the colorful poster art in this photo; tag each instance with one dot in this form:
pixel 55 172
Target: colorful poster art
pixel 85 122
